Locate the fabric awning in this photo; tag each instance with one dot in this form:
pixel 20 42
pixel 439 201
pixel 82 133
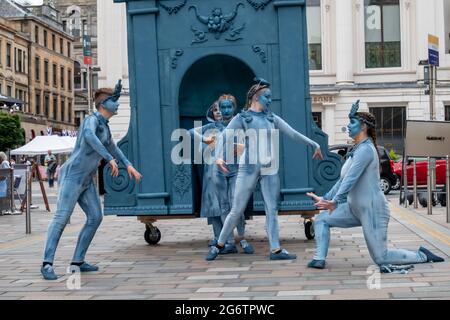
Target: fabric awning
pixel 41 144
pixel 9 101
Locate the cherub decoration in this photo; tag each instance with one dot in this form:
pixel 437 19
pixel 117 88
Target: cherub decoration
pixel 218 23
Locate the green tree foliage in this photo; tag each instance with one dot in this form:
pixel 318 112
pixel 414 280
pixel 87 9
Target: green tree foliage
pixel 11 134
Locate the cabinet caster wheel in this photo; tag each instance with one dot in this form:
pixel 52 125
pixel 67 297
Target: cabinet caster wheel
pixel 309 229
pixel 152 235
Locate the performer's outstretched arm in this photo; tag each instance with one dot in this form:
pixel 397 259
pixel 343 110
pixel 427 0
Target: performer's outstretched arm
pixel 117 153
pixel 361 159
pixel 330 194
pixel 89 129
pixel 285 128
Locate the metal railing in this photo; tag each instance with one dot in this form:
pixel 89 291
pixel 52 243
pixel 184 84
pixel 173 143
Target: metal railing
pixel 431 187
pixel 10 190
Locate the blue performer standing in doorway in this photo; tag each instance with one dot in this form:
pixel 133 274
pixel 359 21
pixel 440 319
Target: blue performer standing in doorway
pixel 259 119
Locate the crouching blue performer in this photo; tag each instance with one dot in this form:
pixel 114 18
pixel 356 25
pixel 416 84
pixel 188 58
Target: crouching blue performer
pixel 258 163
pixel 94 143
pixel 357 200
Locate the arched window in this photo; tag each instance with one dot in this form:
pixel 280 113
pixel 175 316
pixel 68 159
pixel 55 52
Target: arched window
pixel 73 15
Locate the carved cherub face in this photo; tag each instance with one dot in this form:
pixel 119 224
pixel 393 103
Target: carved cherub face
pixel 217 12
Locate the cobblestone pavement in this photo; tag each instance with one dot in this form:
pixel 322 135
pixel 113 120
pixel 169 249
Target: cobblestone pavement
pixel 176 269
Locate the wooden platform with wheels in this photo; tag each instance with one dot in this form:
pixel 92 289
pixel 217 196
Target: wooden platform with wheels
pixel 152 234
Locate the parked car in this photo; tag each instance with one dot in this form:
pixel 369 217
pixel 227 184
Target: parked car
pixel 421 171
pixel 388 178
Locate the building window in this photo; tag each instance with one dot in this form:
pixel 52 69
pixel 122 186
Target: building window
pixel 317 117
pixel 45 39
pixel 447 26
pixel 84 30
pixel 63 107
pixel 46 71
pixel 36 34
pixel 64 25
pixel 37 68
pixel 19 60
pixel 47 105
pixel 77 75
pixel 382 33
pixel 9 91
pixel 38 103
pixel 69 112
pixel 61 46
pixel 85 80
pixel 55 108
pixel 55 75
pixel 447 113
pixel 69 80
pixel 62 77
pixel 391 127
pixel 314 18
pixel 53 42
pixel 8 55
pixel 1 50
pixel 69 51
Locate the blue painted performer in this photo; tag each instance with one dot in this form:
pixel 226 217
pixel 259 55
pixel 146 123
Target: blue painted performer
pixel 257 120
pixel 94 143
pixel 357 200
pixel 218 188
pixel 225 183
pixel 209 203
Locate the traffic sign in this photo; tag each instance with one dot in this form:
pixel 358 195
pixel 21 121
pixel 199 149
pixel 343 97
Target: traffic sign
pixel 433 50
pixel 87 50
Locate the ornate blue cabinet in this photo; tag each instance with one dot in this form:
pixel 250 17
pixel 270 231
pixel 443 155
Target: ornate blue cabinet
pixel 182 55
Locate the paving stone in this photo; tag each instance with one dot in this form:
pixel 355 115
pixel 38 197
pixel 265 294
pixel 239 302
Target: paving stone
pixel 176 269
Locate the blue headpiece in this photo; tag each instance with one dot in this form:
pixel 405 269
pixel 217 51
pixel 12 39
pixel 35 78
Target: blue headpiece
pixel 354 115
pixel 111 103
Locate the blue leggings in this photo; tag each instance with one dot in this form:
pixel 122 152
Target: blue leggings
pixel 70 193
pixel 247 179
pixel 375 232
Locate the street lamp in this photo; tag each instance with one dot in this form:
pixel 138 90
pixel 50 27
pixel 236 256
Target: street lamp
pixel 90 86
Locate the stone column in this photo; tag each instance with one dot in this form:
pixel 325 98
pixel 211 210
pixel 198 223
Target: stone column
pixel 328 121
pixel 344 42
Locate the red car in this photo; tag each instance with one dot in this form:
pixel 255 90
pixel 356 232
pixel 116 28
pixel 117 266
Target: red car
pixel 421 171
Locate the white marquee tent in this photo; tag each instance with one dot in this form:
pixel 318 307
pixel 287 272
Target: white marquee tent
pixel 41 144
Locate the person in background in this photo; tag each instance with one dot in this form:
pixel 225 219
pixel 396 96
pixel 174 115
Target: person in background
pixel 4 163
pixel 51 164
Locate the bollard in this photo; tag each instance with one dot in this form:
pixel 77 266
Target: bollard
pixel 405 181
pixel 447 189
pixel 429 188
pixel 28 179
pixel 416 202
